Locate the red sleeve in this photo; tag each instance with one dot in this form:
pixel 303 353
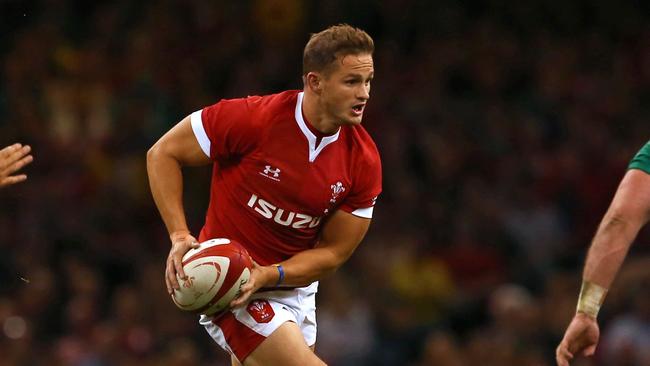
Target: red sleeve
pixel 229 126
pixel 366 186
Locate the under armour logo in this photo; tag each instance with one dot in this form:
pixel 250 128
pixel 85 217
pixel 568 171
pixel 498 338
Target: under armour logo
pixel 269 172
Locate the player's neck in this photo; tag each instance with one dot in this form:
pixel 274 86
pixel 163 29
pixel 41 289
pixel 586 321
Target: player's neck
pixel 316 117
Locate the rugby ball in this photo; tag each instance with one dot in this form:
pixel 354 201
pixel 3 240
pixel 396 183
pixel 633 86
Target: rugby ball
pixel 215 272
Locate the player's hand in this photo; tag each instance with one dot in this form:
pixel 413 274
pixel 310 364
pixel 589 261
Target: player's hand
pixel 260 277
pixel 182 242
pixel 12 159
pixel 580 339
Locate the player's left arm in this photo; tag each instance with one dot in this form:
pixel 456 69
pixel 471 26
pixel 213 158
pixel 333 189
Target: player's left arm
pixel 627 214
pixel 340 236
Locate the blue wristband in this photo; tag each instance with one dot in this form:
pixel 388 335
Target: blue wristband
pixel 281 273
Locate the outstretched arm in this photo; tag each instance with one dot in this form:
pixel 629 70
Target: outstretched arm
pixel 340 236
pixel 177 148
pixel 12 159
pixel 628 212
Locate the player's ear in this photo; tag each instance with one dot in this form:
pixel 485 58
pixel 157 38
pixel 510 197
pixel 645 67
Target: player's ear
pixel 313 81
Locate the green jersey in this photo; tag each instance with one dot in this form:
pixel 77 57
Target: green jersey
pixel 642 159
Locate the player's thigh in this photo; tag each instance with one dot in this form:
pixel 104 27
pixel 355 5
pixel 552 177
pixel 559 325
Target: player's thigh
pixel 284 347
pixel 235 362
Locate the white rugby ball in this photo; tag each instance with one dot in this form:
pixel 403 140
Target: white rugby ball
pixel 215 272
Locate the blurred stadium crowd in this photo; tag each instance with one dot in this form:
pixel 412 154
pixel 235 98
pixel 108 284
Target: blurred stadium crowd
pixel 504 130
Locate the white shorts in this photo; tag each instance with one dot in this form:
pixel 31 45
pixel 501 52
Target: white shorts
pixel 240 330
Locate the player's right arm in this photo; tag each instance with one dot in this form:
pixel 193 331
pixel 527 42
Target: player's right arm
pixel 177 148
pixel 627 214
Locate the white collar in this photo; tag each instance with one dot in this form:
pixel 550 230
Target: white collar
pixel 311 138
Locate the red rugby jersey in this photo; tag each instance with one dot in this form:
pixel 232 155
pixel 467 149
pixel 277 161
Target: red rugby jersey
pixel 272 186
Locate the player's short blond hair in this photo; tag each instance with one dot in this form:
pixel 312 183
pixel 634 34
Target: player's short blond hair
pixel 324 47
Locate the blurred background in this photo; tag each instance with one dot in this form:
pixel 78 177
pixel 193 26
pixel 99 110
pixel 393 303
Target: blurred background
pixel 504 129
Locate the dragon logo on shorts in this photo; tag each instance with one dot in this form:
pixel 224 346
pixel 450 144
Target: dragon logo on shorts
pixel 260 310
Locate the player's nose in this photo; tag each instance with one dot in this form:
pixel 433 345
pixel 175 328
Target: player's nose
pixel 363 93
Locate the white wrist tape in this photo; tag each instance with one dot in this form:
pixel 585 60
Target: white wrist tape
pixel 591 298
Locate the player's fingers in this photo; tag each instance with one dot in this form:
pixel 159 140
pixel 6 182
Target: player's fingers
pixel 247 287
pixel 173 274
pixel 241 299
pixel 178 265
pixel 589 351
pixel 7 151
pixel 168 279
pixel 19 152
pixel 14 155
pixel 243 295
pixel 245 291
pixel 26 149
pixel 12 180
pixel 17 165
pixel 178 256
pixel 169 275
pixel 562 355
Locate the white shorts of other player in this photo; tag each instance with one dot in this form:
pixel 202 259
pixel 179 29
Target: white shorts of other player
pixel 242 329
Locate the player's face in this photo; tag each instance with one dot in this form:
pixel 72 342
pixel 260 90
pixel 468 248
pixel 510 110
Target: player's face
pixel 346 88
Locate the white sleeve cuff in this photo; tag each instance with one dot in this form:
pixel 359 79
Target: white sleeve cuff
pixel 199 132
pixel 366 213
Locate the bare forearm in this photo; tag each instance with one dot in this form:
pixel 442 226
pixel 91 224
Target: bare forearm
pixel 628 212
pixel 166 182
pixel 609 248
pixel 300 270
pixel 309 266
pixel 339 237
